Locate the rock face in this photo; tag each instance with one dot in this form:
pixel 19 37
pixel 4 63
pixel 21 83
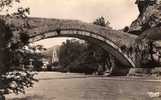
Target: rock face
pixel 150 16
pixel 148 28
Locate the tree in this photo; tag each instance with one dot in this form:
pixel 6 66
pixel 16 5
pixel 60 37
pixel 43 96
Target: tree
pixel 37 57
pixel 100 54
pixel 102 22
pixel 126 29
pixel 69 51
pixel 85 57
pixel 74 57
pixel 15 70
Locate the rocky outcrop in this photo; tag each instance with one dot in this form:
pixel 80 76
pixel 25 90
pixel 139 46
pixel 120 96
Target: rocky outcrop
pixel 148 18
pixel 148 28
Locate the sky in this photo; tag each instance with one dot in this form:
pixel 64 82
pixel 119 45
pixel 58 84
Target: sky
pixel 120 13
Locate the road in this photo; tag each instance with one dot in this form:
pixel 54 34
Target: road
pixel 67 86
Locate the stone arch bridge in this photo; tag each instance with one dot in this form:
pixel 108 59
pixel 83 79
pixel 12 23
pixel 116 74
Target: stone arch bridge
pixel 110 40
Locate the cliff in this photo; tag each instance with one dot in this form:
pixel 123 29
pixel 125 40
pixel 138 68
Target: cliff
pixel 148 22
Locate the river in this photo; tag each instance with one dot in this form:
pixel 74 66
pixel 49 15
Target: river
pixel 70 86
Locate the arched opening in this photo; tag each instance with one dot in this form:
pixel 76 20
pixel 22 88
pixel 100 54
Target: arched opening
pixel 110 40
pixel 100 41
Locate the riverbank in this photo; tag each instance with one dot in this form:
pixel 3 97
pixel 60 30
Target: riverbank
pixel 58 75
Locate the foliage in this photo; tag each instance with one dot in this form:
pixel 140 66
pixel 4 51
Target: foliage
pixel 99 53
pixel 69 51
pixel 16 72
pixel 126 29
pixel 102 22
pixel 83 57
pixel 37 57
pixel 73 57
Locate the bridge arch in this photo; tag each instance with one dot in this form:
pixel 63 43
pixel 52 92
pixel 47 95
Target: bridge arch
pixel 110 40
pixel 101 41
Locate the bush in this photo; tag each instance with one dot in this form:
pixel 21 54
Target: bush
pixel 15 71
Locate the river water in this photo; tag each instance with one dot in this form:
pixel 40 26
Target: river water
pixel 70 86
